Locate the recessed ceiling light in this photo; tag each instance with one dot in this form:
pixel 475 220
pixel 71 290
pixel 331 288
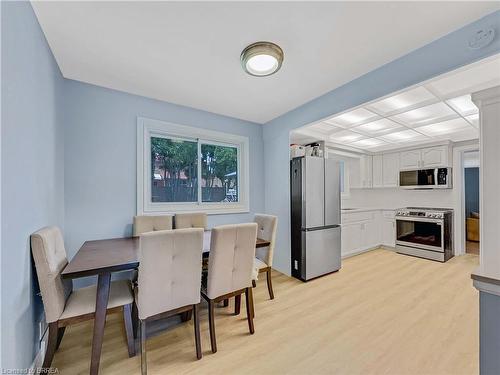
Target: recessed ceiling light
pixel 463 105
pixel 261 59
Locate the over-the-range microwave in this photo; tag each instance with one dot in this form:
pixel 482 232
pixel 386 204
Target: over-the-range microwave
pixel 434 178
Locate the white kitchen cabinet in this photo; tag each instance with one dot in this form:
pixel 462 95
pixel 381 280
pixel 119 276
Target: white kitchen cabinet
pixel 350 238
pixel 435 156
pixel 360 231
pixel 370 234
pixel 378 178
pixel 410 159
pixel 360 172
pixel 430 157
pixel 390 169
pixel 388 228
pixel 366 162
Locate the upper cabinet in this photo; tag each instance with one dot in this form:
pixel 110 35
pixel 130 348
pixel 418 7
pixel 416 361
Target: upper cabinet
pixel 390 169
pixel 385 170
pixel 430 157
pixel 361 172
pixel 382 170
pixel 410 159
pixel 436 157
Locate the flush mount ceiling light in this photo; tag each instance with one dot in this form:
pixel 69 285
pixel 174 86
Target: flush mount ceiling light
pixel 261 59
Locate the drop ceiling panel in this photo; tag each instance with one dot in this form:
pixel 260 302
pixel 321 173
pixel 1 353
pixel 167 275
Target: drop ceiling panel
pixel 425 115
pixel 404 136
pixel 377 127
pixel 369 143
pixel 473 120
pixel 353 118
pixel 346 137
pixel 463 105
pixel 402 101
pixel 445 127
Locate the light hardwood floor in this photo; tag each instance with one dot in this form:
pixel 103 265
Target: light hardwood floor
pixel 382 313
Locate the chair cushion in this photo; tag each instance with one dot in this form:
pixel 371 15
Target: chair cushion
pixel 82 301
pixel 258 264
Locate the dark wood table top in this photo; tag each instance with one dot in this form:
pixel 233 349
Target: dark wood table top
pixel 116 254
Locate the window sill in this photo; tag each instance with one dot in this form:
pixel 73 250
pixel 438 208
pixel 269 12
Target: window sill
pixel 214 210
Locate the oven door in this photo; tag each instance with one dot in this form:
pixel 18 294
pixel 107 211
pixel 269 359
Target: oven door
pixel 419 232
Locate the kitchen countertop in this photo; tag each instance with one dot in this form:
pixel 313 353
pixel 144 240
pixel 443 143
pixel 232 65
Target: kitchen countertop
pixel 365 209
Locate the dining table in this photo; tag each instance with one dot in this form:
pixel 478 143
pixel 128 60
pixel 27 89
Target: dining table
pixel 103 257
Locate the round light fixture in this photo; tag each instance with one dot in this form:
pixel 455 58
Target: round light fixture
pixel 261 59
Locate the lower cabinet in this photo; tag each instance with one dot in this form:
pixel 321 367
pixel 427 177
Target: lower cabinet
pixel 366 230
pixel 388 233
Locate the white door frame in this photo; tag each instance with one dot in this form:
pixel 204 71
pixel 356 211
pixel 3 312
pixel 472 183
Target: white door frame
pixel 459 187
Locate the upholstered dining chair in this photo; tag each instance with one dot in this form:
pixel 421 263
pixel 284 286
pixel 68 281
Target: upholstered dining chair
pixel 191 220
pixel 230 267
pixel 64 306
pixel 266 230
pixel 169 279
pixel 145 223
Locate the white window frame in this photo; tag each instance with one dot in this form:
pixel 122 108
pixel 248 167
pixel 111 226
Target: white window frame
pixel 147 128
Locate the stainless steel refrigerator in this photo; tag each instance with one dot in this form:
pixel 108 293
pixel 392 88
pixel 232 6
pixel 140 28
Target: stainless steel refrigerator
pixel 315 216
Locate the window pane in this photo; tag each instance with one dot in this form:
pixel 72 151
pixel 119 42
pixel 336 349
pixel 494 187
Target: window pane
pixel 219 173
pixel 174 167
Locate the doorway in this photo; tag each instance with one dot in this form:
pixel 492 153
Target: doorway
pixel 471 201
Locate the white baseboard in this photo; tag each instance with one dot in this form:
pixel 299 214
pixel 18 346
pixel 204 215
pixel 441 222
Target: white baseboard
pixel 38 361
pixel 354 253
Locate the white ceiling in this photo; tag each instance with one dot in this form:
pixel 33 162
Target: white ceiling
pixel 438 110
pixel 188 53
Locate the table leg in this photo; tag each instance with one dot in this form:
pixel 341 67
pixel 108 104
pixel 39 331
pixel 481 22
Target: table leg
pixel 101 305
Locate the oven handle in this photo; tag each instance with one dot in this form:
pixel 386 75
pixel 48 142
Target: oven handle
pixel 425 219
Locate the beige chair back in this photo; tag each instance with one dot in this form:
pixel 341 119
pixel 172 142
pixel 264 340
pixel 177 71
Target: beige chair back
pixel 192 220
pixel 169 270
pixel 266 230
pixel 144 224
pixel 232 252
pixel 49 254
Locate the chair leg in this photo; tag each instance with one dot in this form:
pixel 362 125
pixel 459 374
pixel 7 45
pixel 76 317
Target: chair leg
pixel 135 318
pixel 51 345
pixel 270 284
pixel 250 312
pixel 60 334
pixel 225 303
pixel 129 329
pixel 237 304
pixel 254 284
pixel 144 366
pixel 211 323
pixel 197 337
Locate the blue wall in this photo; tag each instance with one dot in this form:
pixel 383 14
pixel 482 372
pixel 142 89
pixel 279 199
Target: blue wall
pixel 440 56
pixel 100 160
pixel 32 172
pixel 471 190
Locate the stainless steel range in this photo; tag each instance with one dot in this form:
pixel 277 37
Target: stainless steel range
pixel 425 232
